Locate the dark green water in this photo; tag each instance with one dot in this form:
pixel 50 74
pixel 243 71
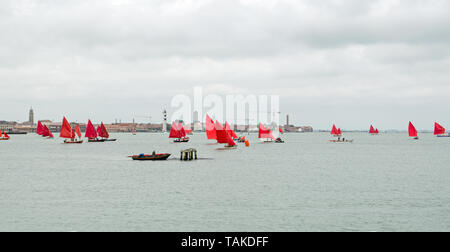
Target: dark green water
pixel 378 183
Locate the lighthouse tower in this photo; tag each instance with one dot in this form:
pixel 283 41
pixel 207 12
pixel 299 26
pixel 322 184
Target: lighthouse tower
pixel 164 125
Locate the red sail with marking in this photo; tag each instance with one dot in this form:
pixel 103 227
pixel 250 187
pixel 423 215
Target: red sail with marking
pixel 334 131
pixel 90 131
pixel 210 128
pixel 66 129
pixel 264 132
pixel 40 128
pixel 222 135
pixel 412 130
pixel 438 129
pixel 372 130
pixel 78 131
pixel 105 133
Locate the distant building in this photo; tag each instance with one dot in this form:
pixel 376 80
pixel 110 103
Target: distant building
pixel 196 117
pixel 31 116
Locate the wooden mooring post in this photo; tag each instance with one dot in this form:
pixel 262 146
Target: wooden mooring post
pixel 188 154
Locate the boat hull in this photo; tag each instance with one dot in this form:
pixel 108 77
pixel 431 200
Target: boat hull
pixel 157 157
pixel 73 142
pixel 340 141
pixel 96 140
pixel 443 136
pixel 110 140
pixel 4 139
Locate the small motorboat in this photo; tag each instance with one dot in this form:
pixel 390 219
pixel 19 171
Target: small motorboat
pixel 152 157
pixel 181 140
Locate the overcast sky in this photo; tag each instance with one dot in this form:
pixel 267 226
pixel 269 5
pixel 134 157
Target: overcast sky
pixel 349 62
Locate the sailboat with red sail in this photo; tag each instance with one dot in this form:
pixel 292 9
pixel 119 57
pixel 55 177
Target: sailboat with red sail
pixel 335 132
pixel 223 136
pixel 439 131
pixel 373 131
pixel 40 129
pixel 412 131
pixel 104 134
pixel 91 134
pixel 210 129
pixel 178 133
pixel 46 132
pixel 5 136
pixel 68 133
pixel 265 134
pixel 230 131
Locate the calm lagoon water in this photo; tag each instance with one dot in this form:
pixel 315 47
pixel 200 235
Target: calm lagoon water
pixel 378 183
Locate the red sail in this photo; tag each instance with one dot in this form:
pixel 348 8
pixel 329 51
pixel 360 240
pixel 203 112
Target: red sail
pixel 339 132
pixel 264 132
pixel 50 135
pixel 73 135
pixel 412 130
pixel 105 133
pixel 45 131
pixel 174 131
pixel 334 131
pixel 6 135
pixel 90 131
pixel 210 128
pixel 376 131
pixel 372 130
pixel 78 131
pixel 181 130
pixel 40 128
pixel 66 129
pixel 281 130
pixel 230 131
pixel 188 130
pixel 99 131
pixel 222 135
pixel 438 129
pixel 230 141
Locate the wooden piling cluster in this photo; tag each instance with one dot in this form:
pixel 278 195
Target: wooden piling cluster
pixel 188 154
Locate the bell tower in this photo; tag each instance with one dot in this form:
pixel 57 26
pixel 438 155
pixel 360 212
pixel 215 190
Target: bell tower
pixel 31 117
